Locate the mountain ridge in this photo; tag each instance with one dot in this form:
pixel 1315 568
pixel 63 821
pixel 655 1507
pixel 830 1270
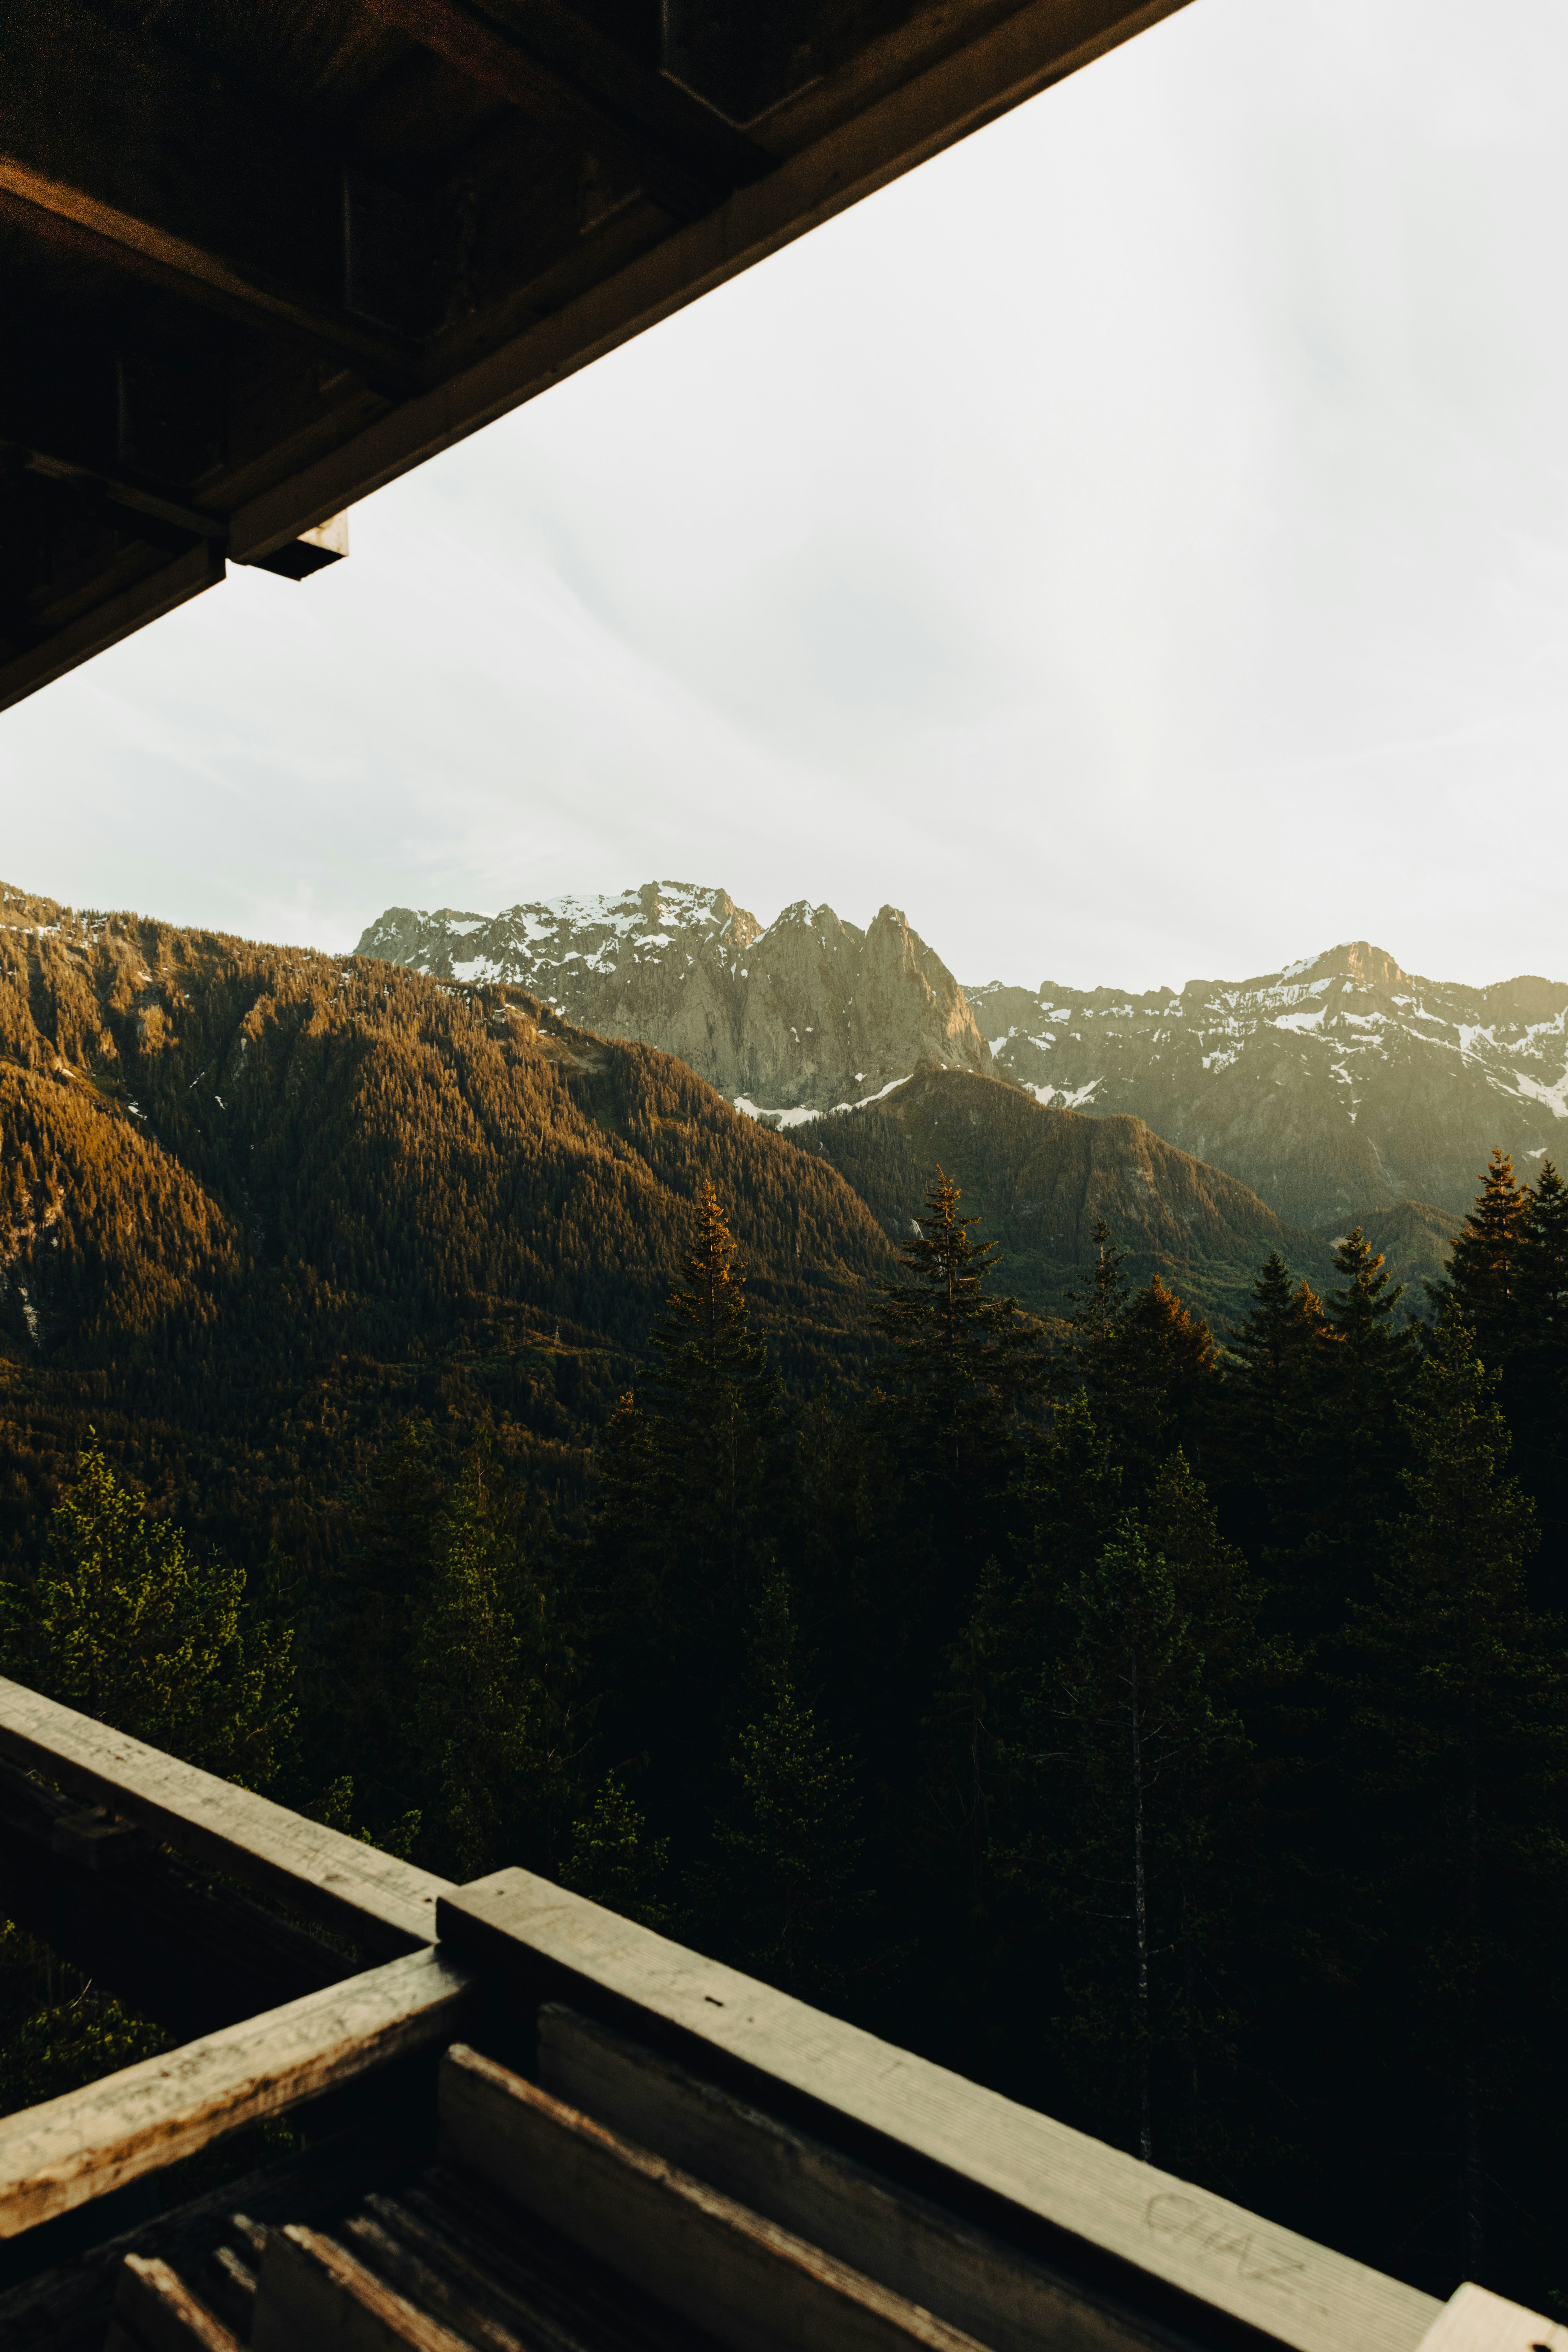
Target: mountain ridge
pixel 1337 1089
pixel 792 1017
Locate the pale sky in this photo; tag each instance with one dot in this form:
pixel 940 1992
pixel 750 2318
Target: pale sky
pixel 1136 544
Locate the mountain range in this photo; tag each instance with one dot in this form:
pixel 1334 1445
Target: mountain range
pixel 803 1016
pixel 258 1205
pixel 1339 1089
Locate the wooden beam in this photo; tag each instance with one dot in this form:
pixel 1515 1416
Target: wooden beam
pixel 68 2307
pixel 114 488
pixel 154 2308
pixel 71 2149
pixel 189 1952
pixel 746 2281
pixel 1144 2237
pixel 384 1905
pixel 850 147
pixel 551 64
pixel 925 2254
pixel 155 168
pixel 172 584
pixel 316 2296
pixel 1475 2320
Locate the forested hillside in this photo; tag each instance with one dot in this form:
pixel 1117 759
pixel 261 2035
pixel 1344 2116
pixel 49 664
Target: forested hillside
pixel 257 1205
pixel 1042 1178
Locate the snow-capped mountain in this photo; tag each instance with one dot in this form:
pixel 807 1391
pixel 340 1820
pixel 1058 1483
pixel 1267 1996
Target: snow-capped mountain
pixel 794 1019
pixel 1334 1087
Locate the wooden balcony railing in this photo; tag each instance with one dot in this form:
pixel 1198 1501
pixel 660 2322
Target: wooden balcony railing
pixel 774 2174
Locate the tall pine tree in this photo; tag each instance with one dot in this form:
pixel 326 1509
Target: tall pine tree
pixel 1482 1266
pixel 1144 1760
pixel 691 1479
pixel 1458 1741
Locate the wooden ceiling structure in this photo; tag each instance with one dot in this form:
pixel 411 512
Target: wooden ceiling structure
pixel 259 256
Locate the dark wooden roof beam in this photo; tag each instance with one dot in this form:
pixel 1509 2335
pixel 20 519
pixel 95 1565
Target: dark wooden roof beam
pixel 168 513
pixel 558 69
pixel 134 160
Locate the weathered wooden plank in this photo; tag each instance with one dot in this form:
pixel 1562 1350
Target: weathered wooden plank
pixel 465 2253
pixel 387 1905
pixel 911 2245
pixel 1473 2320
pixel 432 2289
pixel 190 1952
pixel 315 2297
pixel 894 2106
pixel 229 2285
pixel 82 2145
pixel 68 2307
pixel 153 2301
pixel 748 2283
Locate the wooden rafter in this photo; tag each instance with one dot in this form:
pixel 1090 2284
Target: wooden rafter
pixel 553 66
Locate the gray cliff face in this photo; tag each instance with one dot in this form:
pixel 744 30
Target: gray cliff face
pixel 799 1018
pixel 1336 1089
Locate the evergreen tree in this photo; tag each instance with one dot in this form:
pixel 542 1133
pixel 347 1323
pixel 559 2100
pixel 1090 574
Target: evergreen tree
pixel 790 1841
pixel 690 1482
pixel 1167 1388
pixel 1276 1341
pixel 970 1358
pixel 613 1861
pixel 1353 1447
pixel 1539 1269
pixel 122 1621
pixel 499 1725
pixel 1279 1344
pixel 1146 1753
pixel 1481 1278
pixel 983 1916
pixel 357 1671
pixel 1459 1739
pixel 1536 1378
pixel 1092 1356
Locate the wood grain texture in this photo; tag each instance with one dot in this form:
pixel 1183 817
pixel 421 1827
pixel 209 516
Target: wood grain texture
pixel 911 2245
pixel 387 1905
pixel 748 2283
pixel 1285 2287
pixel 403 2267
pixel 316 2297
pixel 82 2145
pixel 1473 2320
pixel 156 2306
pixel 68 2307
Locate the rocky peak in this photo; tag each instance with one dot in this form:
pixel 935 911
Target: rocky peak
pixel 787 1020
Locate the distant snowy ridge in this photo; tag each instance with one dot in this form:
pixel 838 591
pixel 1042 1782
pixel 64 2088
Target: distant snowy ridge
pixel 1339 1084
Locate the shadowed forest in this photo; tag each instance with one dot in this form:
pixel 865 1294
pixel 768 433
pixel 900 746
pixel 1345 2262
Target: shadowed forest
pixel 1167 1725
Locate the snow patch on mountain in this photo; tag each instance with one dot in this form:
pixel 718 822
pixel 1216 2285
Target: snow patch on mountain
pixel 1333 1086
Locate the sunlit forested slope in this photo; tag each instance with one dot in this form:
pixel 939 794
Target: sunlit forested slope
pixel 1041 1178
pixel 256 1204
